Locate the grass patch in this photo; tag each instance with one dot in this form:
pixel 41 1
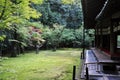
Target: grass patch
pixel 47 65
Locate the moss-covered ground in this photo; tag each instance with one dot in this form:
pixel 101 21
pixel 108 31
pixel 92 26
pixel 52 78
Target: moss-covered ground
pixel 47 65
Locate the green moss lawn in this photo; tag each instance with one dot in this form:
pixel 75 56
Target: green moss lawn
pixel 47 65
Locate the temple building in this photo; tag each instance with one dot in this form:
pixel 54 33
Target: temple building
pixel 103 61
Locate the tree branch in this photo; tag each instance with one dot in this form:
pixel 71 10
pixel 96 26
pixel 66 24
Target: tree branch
pixel 3 11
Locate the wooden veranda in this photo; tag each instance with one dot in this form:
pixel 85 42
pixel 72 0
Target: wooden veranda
pixel 103 61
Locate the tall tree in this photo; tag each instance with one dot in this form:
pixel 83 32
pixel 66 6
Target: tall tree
pixel 12 14
pixel 14 10
pixel 54 11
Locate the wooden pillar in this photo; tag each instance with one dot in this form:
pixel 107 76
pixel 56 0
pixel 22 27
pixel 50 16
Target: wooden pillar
pixel 101 37
pixel 108 42
pixel 97 37
pixel 112 41
pixel 103 41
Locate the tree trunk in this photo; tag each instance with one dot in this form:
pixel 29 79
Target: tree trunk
pixel 14 51
pixel 22 49
pixel 37 48
pixel 54 48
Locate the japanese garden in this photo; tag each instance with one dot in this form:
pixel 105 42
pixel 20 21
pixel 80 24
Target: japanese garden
pixel 40 39
pixel 59 40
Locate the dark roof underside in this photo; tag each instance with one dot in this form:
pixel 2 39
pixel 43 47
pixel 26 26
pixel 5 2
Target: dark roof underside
pixel 91 8
pixel 111 7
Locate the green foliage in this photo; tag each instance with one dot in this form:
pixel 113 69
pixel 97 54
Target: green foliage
pixel 89 37
pixel 68 1
pixel 37 1
pixel 54 11
pixel 30 22
pixel 2 37
pixel 68 35
pixel 38 25
pixel 31 34
pixel 52 35
pixel 118 41
pixel 72 37
pixel 12 11
pixel 65 37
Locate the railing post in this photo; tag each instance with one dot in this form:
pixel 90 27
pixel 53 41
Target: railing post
pixel 87 73
pixel 81 56
pixel 97 67
pixel 83 42
pixel 74 72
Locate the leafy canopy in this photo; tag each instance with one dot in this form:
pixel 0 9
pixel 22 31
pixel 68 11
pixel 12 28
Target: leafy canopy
pixel 13 11
pixel 68 1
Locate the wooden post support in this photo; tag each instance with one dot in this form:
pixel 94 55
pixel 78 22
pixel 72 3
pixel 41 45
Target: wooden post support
pixel 83 55
pixel 112 41
pixel 97 37
pixel 87 73
pixel 101 37
pixel 74 72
